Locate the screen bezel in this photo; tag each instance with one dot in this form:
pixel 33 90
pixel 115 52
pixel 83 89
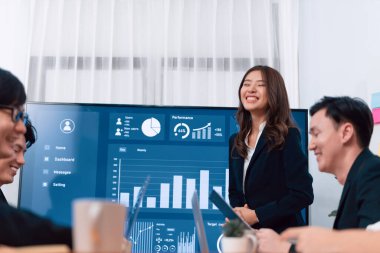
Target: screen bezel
pixel 305 111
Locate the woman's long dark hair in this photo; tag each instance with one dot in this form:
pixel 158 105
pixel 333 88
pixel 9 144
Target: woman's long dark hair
pixel 278 118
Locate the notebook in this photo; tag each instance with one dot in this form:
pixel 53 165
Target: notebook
pixel 199 223
pixel 226 209
pixel 134 211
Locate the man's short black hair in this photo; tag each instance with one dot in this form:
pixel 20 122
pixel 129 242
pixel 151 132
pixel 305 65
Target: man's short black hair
pixel 347 109
pixel 30 134
pixel 12 91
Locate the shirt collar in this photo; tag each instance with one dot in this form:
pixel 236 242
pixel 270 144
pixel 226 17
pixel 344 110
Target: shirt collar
pixel 261 129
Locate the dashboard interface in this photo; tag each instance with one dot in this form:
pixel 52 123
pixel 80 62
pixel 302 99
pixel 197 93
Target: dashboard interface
pixel 107 151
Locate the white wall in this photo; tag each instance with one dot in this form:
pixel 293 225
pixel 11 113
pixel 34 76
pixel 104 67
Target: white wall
pixel 339 55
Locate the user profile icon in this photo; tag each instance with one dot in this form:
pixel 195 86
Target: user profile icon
pixel 67 126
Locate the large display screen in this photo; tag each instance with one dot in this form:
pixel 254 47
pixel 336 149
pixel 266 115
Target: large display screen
pixel 107 151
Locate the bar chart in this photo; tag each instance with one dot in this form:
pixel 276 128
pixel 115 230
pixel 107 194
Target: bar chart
pixel 186 242
pixel 173 181
pixel 202 133
pixel 176 195
pixel 175 172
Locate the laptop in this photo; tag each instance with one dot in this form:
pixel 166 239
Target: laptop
pixel 226 209
pixel 134 211
pixel 199 223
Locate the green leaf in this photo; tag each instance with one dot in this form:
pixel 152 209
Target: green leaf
pixel 233 228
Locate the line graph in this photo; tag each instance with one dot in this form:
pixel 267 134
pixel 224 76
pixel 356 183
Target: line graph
pixel 142 237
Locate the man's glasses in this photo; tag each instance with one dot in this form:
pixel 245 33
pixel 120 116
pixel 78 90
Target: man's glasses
pixel 16 113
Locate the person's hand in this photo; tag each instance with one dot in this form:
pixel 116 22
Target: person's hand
pixel 311 239
pixel 247 214
pixel 271 242
pixel 126 247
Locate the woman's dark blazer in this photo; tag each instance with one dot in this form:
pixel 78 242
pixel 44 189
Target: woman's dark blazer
pixel 277 184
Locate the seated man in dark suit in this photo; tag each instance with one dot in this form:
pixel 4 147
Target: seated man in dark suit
pixel 341 129
pixel 18 227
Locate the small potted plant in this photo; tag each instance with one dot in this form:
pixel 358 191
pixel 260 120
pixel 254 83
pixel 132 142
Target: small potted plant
pixel 233 228
pixel 235 239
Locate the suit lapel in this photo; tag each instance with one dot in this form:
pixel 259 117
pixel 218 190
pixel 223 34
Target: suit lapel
pixel 240 169
pixel 346 189
pixel 2 197
pixel 258 150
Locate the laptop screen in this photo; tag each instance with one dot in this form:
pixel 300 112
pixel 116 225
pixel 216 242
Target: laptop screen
pixel 199 224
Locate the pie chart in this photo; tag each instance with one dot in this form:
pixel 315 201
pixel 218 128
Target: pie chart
pixel 151 127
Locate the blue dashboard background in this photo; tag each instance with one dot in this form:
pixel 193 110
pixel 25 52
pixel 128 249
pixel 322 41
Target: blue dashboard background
pixel 106 151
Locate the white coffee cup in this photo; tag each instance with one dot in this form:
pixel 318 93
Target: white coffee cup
pixel 98 226
pixel 244 244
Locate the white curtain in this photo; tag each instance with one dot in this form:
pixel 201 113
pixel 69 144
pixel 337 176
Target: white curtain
pixel 160 52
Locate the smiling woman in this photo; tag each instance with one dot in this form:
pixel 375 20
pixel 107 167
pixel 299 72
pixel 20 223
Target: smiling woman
pixel 269 182
pixel 254 94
